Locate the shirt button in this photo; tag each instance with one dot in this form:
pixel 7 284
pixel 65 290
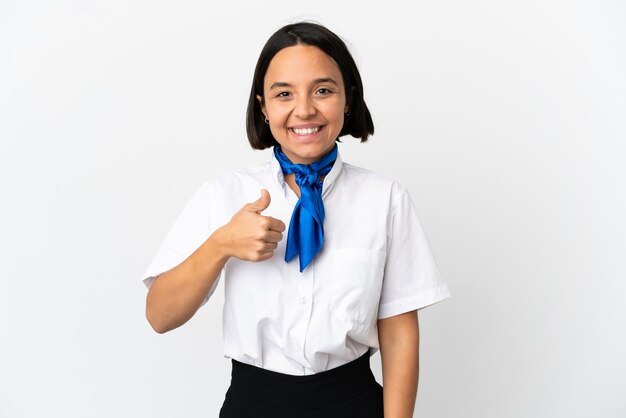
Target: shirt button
pixel 303 300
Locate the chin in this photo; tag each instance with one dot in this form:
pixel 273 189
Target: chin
pixel 313 153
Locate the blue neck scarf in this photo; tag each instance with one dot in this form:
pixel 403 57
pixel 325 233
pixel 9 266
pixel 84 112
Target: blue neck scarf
pixel 306 229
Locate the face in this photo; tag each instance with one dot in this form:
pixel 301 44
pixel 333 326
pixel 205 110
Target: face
pixel 305 102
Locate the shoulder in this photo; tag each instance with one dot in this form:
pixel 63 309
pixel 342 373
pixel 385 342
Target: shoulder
pixel 225 193
pixel 237 179
pixel 373 182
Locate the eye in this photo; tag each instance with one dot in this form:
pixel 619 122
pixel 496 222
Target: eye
pixel 324 90
pixel 283 94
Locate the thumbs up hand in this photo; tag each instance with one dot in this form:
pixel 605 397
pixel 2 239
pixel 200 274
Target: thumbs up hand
pixel 250 235
pixel 261 204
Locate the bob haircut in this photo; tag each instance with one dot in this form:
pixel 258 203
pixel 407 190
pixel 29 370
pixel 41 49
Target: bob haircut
pixel 357 122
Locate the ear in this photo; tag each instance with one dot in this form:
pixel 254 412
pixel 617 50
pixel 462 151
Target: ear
pixel 260 99
pixel 346 109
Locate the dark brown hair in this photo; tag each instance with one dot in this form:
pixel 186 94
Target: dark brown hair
pixel 358 122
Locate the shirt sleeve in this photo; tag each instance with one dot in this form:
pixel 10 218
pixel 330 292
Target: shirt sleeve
pixel 411 277
pixel 190 229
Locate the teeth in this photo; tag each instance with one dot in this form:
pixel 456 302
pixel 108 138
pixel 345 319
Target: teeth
pixel 306 131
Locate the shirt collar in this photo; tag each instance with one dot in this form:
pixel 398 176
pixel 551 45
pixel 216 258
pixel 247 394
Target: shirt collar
pixel 330 178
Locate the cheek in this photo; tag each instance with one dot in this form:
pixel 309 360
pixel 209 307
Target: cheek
pixel 337 116
pixel 277 114
pixel 335 111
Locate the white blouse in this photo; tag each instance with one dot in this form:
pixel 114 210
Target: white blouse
pixel 375 263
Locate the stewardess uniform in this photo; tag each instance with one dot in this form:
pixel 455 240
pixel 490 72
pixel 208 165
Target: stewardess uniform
pixel 300 338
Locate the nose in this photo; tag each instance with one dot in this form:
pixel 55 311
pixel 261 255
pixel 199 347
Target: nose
pixel 305 107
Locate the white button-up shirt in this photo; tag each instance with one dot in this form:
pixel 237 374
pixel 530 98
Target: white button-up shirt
pixel 375 263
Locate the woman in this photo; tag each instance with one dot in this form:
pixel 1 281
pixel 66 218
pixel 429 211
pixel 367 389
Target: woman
pixel 302 315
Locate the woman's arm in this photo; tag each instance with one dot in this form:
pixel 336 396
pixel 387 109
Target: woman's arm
pixel 399 350
pixel 176 295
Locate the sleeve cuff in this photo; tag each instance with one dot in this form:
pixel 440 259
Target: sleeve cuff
pixel 413 302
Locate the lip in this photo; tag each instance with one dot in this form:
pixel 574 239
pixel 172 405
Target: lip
pixel 306 125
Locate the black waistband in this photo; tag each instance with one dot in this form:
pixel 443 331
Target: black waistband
pixel 324 388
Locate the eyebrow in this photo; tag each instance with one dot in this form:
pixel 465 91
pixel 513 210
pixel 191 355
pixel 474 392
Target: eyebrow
pixel 316 81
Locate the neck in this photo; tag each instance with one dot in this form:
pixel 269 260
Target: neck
pixel 294 159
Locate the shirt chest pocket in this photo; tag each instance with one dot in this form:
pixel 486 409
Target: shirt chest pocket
pixel 356 283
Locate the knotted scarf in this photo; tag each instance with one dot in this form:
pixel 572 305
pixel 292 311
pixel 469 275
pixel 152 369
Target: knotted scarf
pixel 306 229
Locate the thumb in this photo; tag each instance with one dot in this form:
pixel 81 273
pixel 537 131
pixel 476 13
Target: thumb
pixel 261 204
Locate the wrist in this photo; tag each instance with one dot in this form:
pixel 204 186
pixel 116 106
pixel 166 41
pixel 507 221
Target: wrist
pixel 218 245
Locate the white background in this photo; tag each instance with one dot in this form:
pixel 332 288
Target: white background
pixel 504 119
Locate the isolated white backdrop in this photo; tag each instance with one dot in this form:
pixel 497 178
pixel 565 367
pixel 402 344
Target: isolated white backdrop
pixel 504 119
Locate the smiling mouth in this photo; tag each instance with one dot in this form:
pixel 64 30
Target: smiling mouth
pixel 306 131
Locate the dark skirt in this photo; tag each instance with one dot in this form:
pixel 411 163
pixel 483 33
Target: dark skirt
pixel 346 391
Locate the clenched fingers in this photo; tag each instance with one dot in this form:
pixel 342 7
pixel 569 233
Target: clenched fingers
pixel 275 224
pixel 268 247
pixel 272 236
